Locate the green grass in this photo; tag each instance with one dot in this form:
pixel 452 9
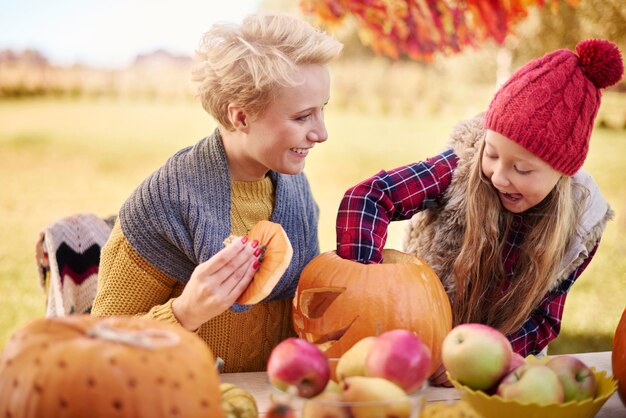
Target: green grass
pixel 64 157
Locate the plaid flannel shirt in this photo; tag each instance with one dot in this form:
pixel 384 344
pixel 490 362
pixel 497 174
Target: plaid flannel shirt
pixel 367 209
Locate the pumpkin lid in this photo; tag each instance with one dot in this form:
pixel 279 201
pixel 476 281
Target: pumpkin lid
pixel 275 260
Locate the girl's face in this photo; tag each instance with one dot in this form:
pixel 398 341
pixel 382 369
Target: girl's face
pixel 521 179
pixel 283 135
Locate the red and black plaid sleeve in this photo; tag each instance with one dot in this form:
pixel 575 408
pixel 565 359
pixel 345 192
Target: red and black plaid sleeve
pixel 544 323
pixel 367 208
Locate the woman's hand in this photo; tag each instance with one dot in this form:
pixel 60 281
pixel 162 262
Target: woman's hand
pixel 216 284
pixel 440 378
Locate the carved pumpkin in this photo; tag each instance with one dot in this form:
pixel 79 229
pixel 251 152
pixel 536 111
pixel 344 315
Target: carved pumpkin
pixel 618 357
pixel 275 260
pixel 83 366
pixel 338 302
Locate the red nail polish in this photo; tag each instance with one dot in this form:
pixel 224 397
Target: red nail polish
pixel 256 264
pixel 257 252
pixel 254 243
pixel 244 239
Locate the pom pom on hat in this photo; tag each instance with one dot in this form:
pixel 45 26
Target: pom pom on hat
pixel 549 105
pixel 601 62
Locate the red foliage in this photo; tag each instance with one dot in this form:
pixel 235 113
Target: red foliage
pixel 421 28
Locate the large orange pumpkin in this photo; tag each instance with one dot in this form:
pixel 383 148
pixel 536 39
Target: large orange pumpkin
pixel 338 302
pixel 618 357
pixel 275 260
pixel 131 367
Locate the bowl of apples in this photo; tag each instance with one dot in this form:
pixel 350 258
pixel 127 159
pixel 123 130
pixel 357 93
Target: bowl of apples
pixel 382 376
pixel 497 382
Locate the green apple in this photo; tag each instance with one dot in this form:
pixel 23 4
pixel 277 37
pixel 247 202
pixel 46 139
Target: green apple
pixel 578 380
pixel 532 383
pixel 476 355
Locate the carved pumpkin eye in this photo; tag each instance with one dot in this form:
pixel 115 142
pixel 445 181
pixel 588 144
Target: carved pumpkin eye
pixel 314 302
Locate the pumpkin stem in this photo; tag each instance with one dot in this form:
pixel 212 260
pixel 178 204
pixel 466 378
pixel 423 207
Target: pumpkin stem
pixel 149 338
pixel 262 255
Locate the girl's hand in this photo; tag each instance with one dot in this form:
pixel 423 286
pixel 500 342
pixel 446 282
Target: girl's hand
pixel 439 378
pixel 216 284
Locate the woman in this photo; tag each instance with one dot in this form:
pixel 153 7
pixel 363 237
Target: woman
pixel 266 83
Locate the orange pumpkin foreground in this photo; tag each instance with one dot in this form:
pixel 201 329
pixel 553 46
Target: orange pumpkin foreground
pixel 618 356
pixel 338 302
pixel 83 366
pixel 276 258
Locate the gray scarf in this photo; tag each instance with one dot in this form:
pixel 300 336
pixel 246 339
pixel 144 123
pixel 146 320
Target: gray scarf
pixel 179 216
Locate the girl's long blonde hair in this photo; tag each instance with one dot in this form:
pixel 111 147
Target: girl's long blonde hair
pixel 478 270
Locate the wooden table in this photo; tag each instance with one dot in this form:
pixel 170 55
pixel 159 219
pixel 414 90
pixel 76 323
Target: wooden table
pixel 257 385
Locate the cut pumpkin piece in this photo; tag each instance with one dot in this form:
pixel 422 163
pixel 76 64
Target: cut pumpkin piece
pixel 276 258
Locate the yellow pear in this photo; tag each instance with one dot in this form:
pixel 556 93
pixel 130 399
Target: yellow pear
pixel 385 398
pixel 325 405
pixel 352 362
pixel 332 386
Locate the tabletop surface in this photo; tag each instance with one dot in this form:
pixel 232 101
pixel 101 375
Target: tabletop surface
pixel 256 383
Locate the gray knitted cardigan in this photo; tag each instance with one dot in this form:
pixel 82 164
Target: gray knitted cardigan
pixel 179 216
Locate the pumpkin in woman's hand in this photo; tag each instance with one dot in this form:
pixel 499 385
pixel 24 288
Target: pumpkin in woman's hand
pixel 618 356
pixel 276 256
pixel 83 366
pixel 338 302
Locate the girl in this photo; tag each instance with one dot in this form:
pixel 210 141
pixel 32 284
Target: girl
pixel 504 215
pixel 266 83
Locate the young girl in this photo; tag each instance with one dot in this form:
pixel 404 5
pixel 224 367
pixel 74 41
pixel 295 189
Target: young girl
pixel 266 83
pixel 504 215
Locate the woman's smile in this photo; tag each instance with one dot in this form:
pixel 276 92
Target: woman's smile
pixel 302 152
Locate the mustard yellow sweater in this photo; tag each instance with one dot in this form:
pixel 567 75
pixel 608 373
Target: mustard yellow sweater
pixel 129 285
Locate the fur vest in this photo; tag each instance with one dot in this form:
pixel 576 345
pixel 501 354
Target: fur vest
pixel 440 242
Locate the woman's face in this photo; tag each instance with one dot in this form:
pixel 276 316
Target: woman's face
pixel 283 135
pixel 521 179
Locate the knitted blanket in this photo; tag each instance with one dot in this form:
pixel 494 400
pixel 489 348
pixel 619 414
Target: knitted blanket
pixel 67 254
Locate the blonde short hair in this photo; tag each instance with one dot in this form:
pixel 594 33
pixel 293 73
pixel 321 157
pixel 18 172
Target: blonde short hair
pixel 244 63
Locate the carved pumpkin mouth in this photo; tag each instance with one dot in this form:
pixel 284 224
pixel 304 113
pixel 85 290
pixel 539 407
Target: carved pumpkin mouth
pixel 313 304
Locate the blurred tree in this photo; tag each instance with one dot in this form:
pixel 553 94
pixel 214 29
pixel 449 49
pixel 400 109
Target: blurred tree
pixel 420 29
pixel 347 32
pixel 547 30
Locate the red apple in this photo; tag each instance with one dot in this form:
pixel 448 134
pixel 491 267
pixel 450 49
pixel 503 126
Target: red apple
pixel 577 379
pixel 401 357
pixel 532 383
pixel 516 361
pixel 476 355
pixel 298 363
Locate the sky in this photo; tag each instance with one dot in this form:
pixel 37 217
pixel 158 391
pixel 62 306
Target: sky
pixel 110 33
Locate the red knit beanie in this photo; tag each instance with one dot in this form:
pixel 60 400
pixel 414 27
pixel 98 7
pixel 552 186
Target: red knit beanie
pixel 549 105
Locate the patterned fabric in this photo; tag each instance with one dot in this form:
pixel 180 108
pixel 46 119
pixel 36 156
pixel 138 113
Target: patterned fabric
pixel 367 208
pixel 67 254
